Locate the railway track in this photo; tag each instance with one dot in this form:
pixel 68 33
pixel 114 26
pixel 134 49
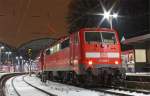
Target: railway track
pixel 138 85
pixel 132 90
pixel 112 90
pixel 38 89
pixel 12 83
pixel 138 80
pixel 3 80
pixel 108 91
pixel 94 89
pixel 120 91
pixel 50 94
pixel 123 91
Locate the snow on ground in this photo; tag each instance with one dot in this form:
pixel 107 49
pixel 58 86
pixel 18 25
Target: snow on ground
pixel 22 88
pixel 9 89
pixel 62 89
pixel 52 87
pixel 138 74
pixel 127 92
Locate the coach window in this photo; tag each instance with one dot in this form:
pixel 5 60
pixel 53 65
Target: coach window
pixel 65 44
pixel 48 51
pixel 54 48
pixel 58 47
pixel 51 50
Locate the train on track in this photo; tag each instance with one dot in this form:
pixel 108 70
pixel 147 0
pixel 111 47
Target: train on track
pixel 89 55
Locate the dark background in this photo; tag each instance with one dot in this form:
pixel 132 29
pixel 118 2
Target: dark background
pixel 133 20
pixel 136 18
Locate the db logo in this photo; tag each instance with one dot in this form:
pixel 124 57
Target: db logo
pixel 103 54
pixel 103 61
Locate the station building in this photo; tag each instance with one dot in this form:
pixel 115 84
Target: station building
pixel 136 55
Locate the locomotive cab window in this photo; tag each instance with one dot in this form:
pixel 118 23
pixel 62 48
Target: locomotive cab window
pixel 109 37
pixel 93 37
pixel 65 43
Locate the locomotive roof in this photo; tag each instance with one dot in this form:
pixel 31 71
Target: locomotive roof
pixel 103 29
pixel 138 39
pixel 83 29
pixel 59 40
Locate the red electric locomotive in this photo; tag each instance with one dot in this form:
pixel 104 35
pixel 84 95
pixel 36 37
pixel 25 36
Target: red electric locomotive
pixel 91 54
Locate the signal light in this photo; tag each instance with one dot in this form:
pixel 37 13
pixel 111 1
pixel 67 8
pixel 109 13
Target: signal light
pixel 90 62
pixel 29 52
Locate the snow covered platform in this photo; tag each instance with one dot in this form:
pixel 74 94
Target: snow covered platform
pixel 138 74
pixel 1 74
pixel 51 87
pixel 57 89
pixel 140 77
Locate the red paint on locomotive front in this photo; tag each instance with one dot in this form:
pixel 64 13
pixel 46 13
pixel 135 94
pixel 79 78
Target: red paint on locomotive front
pixel 102 48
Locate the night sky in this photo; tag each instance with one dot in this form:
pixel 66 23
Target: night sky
pixel 133 20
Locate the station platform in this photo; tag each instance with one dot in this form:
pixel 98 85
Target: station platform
pixel 138 74
pixel 141 77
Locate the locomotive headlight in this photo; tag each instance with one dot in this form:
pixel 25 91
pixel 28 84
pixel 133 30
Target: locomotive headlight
pixel 90 62
pixel 116 62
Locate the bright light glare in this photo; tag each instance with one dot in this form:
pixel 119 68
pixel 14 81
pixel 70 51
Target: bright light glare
pixel 8 53
pixel 2 47
pixel 116 62
pixel 16 57
pixel 90 62
pixel 106 15
pixel 20 57
pixel 115 15
pixel 51 49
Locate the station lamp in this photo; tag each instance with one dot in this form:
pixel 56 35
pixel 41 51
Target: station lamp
pixel 1 48
pixel 20 57
pixel 107 15
pixel 17 57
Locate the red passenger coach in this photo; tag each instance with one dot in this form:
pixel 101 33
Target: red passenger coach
pixel 90 52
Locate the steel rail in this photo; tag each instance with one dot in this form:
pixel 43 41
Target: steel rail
pixel 12 83
pixel 131 90
pixel 110 92
pixel 3 80
pixel 50 94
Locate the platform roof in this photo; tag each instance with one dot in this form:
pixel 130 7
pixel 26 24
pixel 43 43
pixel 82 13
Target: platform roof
pixel 24 20
pixel 138 39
